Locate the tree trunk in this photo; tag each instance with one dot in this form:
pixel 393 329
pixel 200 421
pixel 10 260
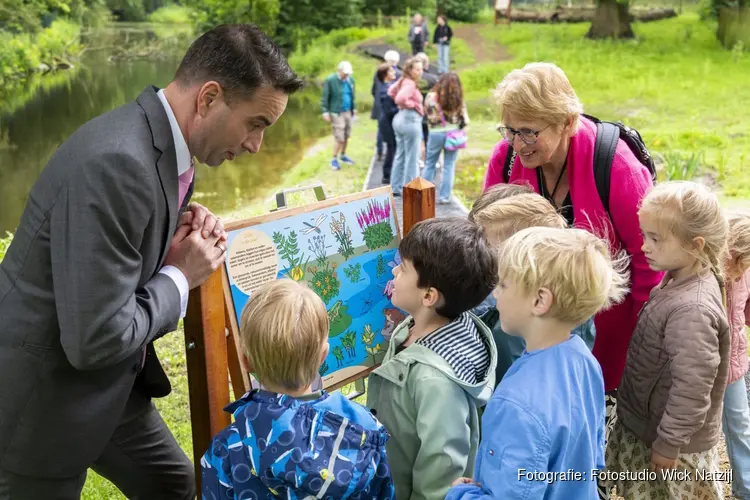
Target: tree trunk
pixel 611 20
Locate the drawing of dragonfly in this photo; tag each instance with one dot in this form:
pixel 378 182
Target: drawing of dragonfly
pixel 316 227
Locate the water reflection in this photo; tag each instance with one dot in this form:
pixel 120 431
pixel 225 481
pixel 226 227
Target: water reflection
pixel 33 129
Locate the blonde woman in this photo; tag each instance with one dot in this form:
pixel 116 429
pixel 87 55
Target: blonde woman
pixel 554 145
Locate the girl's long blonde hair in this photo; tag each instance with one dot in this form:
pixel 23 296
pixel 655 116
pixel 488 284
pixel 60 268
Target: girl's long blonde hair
pixel 738 241
pixel 689 210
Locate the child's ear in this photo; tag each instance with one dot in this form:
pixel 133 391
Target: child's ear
pixel 542 302
pixel 245 363
pixel 431 297
pixel 699 243
pixel 324 352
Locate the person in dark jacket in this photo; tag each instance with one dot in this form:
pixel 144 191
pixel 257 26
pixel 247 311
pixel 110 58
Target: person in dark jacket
pixel 386 75
pixel 392 58
pixel 419 34
pixel 442 40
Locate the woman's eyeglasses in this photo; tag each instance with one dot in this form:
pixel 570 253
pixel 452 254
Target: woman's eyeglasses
pixel 526 134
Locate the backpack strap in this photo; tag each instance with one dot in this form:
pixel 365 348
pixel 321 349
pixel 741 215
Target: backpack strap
pixel 607 135
pixel 510 157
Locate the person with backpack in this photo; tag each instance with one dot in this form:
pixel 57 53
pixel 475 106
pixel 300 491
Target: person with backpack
pixel 595 173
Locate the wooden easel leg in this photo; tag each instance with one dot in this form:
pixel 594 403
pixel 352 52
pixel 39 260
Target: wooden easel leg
pixel 206 353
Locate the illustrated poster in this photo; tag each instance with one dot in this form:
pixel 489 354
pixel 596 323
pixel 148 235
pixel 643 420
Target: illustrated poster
pixel 345 253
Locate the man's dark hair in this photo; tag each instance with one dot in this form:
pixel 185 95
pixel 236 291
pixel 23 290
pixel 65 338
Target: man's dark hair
pixel 453 256
pixel 241 58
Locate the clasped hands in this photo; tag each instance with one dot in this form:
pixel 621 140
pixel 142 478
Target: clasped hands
pixel 199 245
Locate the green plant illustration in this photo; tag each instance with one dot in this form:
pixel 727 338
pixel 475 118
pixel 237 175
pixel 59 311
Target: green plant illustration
pixel 323 369
pixel 288 249
pixel 353 272
pixel 368 337
pixel 343 235
pixel 324 282
pixel 375 223
pixel 349 342
pixel 380 267
pixel 338 353
pixel 338 319
pixel 317 245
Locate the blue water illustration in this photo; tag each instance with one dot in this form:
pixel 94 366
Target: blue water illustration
pixel 330 251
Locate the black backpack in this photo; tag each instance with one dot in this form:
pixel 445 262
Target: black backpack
pixel 607 135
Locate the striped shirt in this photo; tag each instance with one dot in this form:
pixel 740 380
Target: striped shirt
pixel 460 344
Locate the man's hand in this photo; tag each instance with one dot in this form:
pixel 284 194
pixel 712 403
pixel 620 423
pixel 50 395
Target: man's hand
pixel 326 117
pixel 660 462
pixel 195 256
pixel 199 217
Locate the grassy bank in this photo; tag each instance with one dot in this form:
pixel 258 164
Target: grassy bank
pixel 675 84
pixel 24 53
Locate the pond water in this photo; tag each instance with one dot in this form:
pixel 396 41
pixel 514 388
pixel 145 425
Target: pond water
pixel 36 119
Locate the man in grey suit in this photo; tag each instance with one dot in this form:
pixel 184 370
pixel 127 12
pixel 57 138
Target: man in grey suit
pixel 101 265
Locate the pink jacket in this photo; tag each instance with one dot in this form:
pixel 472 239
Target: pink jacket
pixel 738 313
pixel 406 94
pixel 630 182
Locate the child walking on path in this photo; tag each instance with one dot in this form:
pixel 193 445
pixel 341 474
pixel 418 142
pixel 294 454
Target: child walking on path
pixel 736 416
pixel 543 429
pixel 671 393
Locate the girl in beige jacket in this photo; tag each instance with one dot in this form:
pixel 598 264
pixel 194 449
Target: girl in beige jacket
pixel 669 403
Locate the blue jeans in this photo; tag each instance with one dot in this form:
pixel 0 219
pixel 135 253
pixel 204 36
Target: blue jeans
pixel 436 144
pixel 444 57
pixel 407 125
pixel 736 424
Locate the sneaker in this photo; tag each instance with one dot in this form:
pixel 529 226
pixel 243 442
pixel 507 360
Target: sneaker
pixel 385 180
pixel 444 202
pixel 346 159
pixel 335 164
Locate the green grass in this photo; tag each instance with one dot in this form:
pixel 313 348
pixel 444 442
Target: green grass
pixel 675 84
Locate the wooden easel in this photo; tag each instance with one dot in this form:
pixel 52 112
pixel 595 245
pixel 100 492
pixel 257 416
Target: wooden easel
pixel 212 353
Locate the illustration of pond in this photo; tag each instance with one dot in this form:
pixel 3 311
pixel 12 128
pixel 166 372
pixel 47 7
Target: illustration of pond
pixel 345 254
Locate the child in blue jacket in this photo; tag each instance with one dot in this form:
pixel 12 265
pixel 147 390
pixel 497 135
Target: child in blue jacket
pixel 543 429
pixel 286 440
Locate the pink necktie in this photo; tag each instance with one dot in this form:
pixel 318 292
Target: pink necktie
pixel 185 180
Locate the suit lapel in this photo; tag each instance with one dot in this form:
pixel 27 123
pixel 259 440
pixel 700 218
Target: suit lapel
pixel 166 164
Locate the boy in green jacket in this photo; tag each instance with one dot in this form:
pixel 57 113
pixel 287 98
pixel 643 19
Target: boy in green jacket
pixel 440 363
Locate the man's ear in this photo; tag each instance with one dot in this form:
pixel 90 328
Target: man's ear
pixel 208 95
pixel 543 300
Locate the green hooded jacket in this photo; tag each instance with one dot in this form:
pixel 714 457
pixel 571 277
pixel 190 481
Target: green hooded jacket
pixel 432 416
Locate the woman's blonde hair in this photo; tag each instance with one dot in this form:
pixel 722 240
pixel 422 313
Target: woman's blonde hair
pixel 499 192
pixel 738 242
pixel 573 264
pixel 689 210
pixel 539 92
pixel 409 66
pixel 283 330
pixel 510 215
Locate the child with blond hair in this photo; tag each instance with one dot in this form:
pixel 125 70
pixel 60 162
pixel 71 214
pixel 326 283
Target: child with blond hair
pixel 543 429
pixel 511 209
pixel 288 441
pixel 736 415
pixel 670 397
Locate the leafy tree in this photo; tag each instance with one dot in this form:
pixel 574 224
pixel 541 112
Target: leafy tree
pixel 461 10
pixel 301 20
pixel 264 13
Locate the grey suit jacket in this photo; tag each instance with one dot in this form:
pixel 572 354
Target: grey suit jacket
pixel 80 292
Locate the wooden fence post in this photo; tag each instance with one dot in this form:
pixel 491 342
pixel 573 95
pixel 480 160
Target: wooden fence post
pixel 208 376
pixel 419 202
